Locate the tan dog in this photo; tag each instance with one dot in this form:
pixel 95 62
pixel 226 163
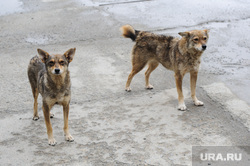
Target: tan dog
pixel 49 76
pixel 179 55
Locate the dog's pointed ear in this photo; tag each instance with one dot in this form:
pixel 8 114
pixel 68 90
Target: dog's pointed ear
pixel 43 55
pixel 206 31
pixel 70 54
pixel 184 34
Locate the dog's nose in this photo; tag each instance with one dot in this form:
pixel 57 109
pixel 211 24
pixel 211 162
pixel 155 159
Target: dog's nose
pixel 57 71
pixel 204 47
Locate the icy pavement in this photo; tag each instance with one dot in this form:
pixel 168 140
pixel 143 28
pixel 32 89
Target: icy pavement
pixel 10 6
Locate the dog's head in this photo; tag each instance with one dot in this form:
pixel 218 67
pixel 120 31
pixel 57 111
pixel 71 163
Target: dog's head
pixel 196 39
pixel 57 64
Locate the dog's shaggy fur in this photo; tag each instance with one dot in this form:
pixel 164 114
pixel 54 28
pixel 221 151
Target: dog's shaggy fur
pixel 49 76
pixel 179 55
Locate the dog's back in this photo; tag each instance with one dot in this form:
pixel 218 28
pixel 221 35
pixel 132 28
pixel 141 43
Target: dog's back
pixel 35 69
pixel 149 46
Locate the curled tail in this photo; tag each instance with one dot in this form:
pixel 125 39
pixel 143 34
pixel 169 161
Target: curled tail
pixel 129 32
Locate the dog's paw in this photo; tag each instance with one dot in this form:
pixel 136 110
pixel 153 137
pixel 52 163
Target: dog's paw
pixel 198 103
pixel 182 107
pixel 69 138
pixel 51 115
pixel 128 89
pixel 52 142
pixel 149 87
pixel 35 118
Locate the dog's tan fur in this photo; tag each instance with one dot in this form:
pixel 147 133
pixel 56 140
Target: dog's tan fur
pixel 49 76
pixel 179 55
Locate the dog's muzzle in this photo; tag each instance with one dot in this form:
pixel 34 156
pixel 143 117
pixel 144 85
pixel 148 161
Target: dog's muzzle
pixel 57 71
pixel 204 47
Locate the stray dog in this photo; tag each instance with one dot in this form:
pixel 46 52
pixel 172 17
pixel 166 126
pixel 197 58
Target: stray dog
pixel 179 55
pixel 49 76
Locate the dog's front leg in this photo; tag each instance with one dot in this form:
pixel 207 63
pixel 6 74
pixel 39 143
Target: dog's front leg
pixel 193 79
pixel 178 81
pixel 68 137
pixel 46 112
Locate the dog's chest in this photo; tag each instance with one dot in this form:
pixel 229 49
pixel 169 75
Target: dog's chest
pixel 188 66
pixel 60 98
pixel 59 95
pixel 192 64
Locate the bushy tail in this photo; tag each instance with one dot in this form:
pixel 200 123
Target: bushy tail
pixel 129 32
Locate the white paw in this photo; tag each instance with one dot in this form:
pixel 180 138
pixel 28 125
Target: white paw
pixel 182 107
pixel 69 138
pixel 35 118
pixel 51 115
pixel 149 87
pixel 128 89
pixel 52 142
pixel 198 103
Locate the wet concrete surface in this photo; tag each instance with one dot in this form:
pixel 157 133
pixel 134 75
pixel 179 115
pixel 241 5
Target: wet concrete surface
pixel 111 126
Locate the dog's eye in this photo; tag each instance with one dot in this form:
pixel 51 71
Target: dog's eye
pixel 196 39
pixel 51 63
pixel 205 38
pixel 62 63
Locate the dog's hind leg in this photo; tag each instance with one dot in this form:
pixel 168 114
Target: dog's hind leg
pixel 34 88
pixel 152 65
pixel 35 95
pixel 193 79
pixel 136 68
pixel 68 137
